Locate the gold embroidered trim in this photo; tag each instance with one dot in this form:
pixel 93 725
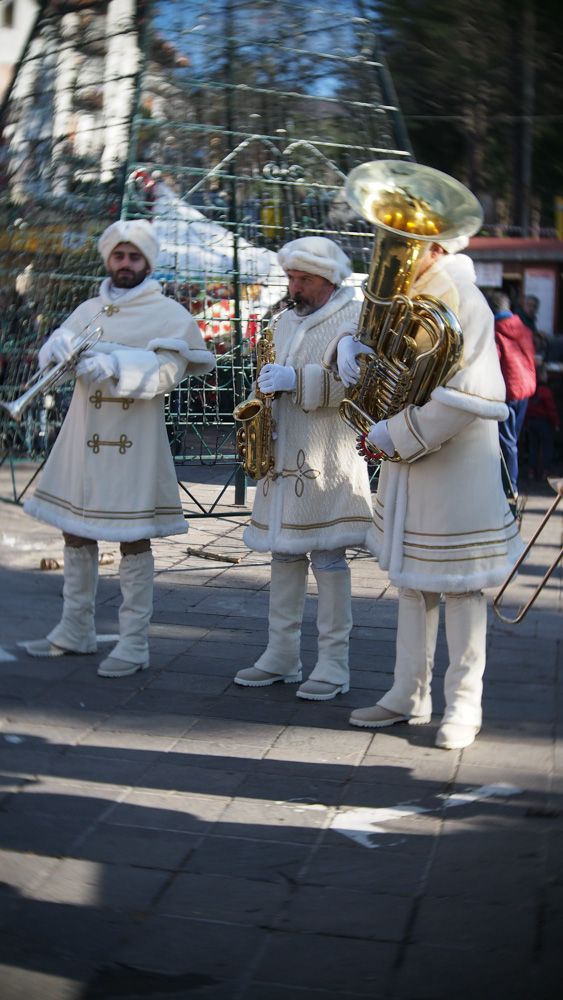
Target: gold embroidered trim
pixel 458 534
pixel 454 547
pixel 97 399
pixel 123 444
pixel 326 388
pixel 487 558
pixel 102 514
pixel 299 386
pixel 316 524
pixel 110 310
pixel 416 436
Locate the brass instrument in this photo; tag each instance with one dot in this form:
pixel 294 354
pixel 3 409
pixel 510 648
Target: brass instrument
pixel 255 444
pixel 417 342
pixel 557 485
pixel 47 378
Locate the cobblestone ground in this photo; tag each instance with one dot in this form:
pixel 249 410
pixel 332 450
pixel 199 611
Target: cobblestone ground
pixel 171 835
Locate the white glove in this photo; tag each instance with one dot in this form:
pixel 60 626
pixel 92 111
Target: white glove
pixel 97 367
pixel 348 350
pixel 58 347
pixel 381 439
pixel 277 378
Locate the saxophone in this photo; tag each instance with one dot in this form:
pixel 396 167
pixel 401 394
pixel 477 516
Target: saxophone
pixel 416 343
pixel 255 444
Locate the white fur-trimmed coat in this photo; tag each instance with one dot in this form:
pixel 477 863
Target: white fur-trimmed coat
pixel 442 521
pixel 318 496
pixel 110 474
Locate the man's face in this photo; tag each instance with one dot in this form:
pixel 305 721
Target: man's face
pixel 429 257
pixel 530 305
pixel 126 266
pixel 308 291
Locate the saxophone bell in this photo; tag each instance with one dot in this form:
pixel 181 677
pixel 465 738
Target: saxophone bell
pixel 255 441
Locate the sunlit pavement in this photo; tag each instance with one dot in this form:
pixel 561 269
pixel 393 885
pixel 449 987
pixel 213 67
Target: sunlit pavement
pixel 173 835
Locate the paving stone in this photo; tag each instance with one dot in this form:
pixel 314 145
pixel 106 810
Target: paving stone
pixel 177 946
pixel 346 913
pixel 356 867
pixel 328 962
pixel 248 857
pixel 280 821
pixel 23 872
pixel 161 850
pixel 223 898
pixel 193 779
pixel 175 812
pixel 119 888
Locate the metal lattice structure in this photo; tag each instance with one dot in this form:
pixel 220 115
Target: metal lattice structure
pixel 231 125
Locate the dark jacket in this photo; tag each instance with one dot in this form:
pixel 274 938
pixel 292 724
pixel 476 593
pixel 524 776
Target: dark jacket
pixel 515 347
pixel 542 405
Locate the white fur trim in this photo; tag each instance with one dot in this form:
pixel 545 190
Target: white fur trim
pixel 491 409
pixel 138 374
pixel 200 361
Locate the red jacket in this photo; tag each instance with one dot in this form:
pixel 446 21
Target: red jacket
pixel 542 405
pixel 515 346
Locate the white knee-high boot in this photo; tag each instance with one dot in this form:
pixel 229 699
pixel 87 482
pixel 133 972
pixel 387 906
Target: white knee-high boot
pixel 466 633
pixel 288 589
pixel 417 632
pixel 334 623
pixel 76 630
pixel 136 577
pixel 281 660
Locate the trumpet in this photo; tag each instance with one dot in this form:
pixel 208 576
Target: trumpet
pixel 47 378
pixel 557 485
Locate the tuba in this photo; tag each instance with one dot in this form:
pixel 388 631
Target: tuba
pixel 417 343
pixel 255 443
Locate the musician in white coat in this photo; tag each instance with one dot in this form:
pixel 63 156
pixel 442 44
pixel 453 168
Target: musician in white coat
pixel 442 524
pixel 316 501
pixel 110 475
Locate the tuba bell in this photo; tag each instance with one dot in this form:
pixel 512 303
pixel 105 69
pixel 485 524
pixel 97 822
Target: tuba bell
pixel 417 343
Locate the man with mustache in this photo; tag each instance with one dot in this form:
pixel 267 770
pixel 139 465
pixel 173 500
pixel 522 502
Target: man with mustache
pixel 316 501
pixel 110 475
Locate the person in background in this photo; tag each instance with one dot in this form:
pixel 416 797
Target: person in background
pixel 542 422
pixel 528 311
pixel 516 352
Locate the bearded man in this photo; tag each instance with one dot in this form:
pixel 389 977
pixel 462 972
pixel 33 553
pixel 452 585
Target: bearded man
pixel 317 499
pixel 110 475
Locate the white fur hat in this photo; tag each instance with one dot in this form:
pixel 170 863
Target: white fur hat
pixel 139 232
pixel 316 255
pixel 454 246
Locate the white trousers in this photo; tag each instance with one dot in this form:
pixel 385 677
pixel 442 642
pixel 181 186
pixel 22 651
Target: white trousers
pixel 417 632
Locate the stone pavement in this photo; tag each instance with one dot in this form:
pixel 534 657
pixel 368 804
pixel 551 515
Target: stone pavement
pixel 171 835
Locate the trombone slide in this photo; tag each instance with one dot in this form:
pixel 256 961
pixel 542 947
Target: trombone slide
pixel 557 485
